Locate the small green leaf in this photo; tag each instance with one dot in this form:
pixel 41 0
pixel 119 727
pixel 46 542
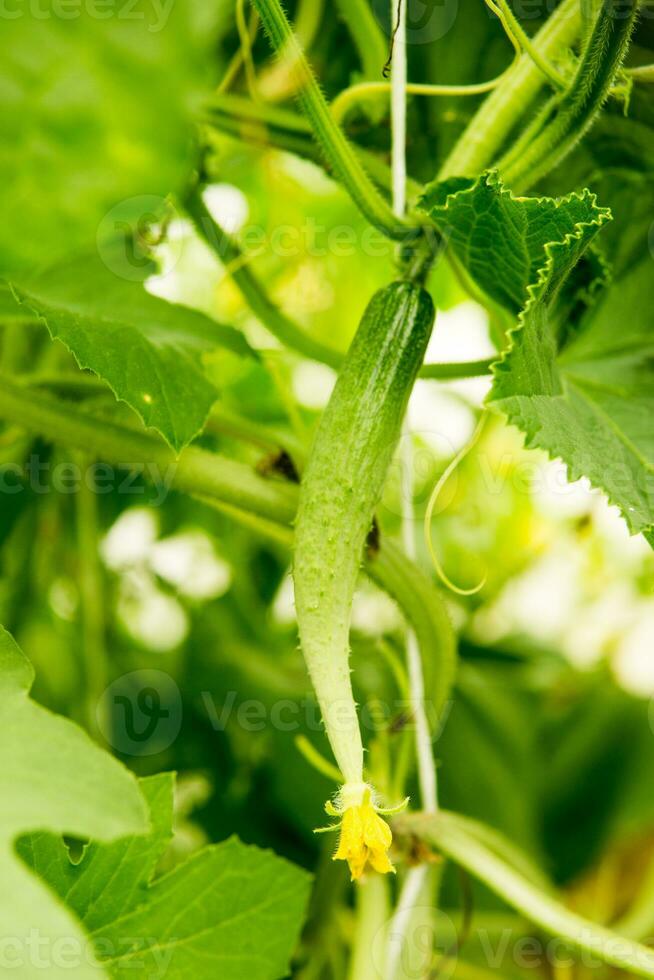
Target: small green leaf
pixel 506 872
pixel 52 776
pixel 148 350
pixel 229 911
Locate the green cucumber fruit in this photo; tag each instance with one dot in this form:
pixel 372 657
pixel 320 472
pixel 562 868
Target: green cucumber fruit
pixel 343 481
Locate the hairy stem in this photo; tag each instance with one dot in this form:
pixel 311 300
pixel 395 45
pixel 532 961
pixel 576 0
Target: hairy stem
pixel 496 117
pixel 564 119
pixel 338 152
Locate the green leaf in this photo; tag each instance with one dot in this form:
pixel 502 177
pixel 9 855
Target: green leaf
pixel 111 878
pixel 588 396
pixel 148 350
pixel 504 242
pixel 97 111
pixel 229 911
pixel 578 377
pixel 52 777
pixel 497 863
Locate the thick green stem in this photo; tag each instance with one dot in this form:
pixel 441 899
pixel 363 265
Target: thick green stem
pixel 514 28
pixel 565 118
pixel 193 471
pixel 499 113
pixel 278 81
pixel 414 592
pixel 449 835
pixel 338 152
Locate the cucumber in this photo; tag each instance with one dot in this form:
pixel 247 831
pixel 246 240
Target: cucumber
pixel 344 477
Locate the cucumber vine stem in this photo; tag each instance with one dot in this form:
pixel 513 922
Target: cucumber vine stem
pixel 193 471
pixel 273 127
pixel 523 42
pixel 278 80
pixel 338 152
pixel 496 117
pixel 565 118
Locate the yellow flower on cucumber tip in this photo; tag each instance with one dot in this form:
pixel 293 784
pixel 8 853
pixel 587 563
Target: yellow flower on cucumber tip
pixel 365 837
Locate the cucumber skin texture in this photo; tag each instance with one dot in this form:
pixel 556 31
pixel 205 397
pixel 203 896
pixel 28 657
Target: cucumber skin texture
pixel 344 478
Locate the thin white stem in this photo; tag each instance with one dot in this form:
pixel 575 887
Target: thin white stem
pixel 398 107
pixel 424 752
pixel 410 897
pixel 416 878
pixel 426 765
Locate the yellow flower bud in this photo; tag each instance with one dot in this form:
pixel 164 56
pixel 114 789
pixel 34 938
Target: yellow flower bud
pixel 365 840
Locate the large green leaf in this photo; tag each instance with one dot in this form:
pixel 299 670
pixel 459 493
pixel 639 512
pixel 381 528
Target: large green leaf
pixel 148 350
pixel 96 111
pixel 578 376
pixel 591 403
pixel 230 911
pixel 52 777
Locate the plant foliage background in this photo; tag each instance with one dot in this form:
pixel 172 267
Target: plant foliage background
pixel 152 614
